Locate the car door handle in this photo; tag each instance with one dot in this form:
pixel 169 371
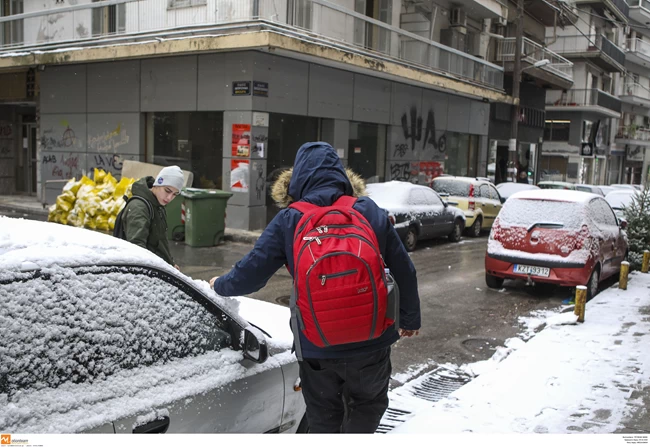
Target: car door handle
pixel 157 426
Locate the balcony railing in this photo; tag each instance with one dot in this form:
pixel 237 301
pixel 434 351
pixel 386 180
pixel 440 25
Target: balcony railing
pixel 533 52
pixel 634 89
pixel 638 46
pixel 313 21
pixel 583 98
pixel 631 132
pixel 567 45
pixel 639 4
pixel 622 6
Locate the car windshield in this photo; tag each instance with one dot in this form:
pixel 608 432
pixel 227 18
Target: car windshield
pixel 543 213
pixel 451 187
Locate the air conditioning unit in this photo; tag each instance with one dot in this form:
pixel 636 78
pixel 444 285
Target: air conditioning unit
pixel 503 21
pixel 458 17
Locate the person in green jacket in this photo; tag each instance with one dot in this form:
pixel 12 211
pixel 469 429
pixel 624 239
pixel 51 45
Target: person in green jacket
pixel 140 227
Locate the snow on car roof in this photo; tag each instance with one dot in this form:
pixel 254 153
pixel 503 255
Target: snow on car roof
pixel 620 198
pixel 28 244
pixel 509 188
pixel 391 193
pixel 563 195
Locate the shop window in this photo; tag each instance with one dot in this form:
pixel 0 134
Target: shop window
pixel 109 19
pixel 191 140
pixel 367 151
pixel 462 153
pixel 557 130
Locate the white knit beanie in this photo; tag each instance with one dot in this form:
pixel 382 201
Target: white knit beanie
pixel 170 176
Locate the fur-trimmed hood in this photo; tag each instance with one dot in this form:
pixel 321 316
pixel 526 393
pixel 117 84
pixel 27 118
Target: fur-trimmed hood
pixel 280 188
pixel 317 177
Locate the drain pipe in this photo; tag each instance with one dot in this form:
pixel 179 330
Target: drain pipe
pixel 433 22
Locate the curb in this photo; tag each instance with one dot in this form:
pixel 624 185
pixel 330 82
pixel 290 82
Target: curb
pixel 243 236
pixel 23 210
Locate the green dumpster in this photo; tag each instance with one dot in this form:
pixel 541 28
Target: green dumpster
pixel 175 223
pixel 205 216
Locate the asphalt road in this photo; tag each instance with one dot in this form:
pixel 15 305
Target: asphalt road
pixel 462 320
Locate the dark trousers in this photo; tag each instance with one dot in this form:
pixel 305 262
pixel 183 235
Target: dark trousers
pixel 347 395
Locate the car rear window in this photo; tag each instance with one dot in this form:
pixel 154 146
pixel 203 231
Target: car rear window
pixel 528 212
pixel 451 187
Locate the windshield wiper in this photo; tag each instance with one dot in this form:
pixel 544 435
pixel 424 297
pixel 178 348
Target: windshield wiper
pixel 545 225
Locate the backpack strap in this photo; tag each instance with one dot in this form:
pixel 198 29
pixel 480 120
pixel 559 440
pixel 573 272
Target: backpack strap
pixel 303 207
pixel 149 207
pixel 345 201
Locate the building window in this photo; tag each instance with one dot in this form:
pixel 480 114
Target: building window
pixel 557 130
pixel 191 140
pixel 11 33
pixel 462 153
pixel 185 3
pixel 109 19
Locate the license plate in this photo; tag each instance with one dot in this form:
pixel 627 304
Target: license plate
pixel 532 270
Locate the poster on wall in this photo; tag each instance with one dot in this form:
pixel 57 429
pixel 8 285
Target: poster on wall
pixel 430 170
pixel 239 175
pixel 241 140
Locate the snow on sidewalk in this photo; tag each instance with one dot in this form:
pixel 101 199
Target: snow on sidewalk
pixel 569 378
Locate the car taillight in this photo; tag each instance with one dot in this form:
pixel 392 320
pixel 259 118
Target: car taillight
pixel 471 190
pixel 471 205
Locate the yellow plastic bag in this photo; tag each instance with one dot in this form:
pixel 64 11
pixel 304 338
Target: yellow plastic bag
pixel 63 205
pixel 68 196
pixel 72 186
pixel 121 187
pixel 76 217
pixel 101 222
pixel 110 179
pixel 99 176
pixel 111 223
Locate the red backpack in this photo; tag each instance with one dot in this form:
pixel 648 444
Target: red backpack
pixel 340 285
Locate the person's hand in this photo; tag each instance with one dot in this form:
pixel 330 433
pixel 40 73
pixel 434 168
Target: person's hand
pixel 407 333
pixel 177 267
pixel 212 282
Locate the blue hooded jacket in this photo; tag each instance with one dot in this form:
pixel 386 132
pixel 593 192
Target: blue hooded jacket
pixel 319 178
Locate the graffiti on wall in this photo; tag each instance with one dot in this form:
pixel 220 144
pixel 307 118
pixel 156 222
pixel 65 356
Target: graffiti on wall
pixel 6 139
pixel 108 162
pixel 412 132
pixel 55 140
pixel 109 141
pixel 260 182
pixel 61 166
pixel 421 172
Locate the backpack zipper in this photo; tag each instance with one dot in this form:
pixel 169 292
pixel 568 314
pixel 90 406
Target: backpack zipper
pixel 324 278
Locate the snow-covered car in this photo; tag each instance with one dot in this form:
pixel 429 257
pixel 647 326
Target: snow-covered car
pixel 417 212
pixel 620 198
pixel 100 336
pixel 509 188
pixel 567 238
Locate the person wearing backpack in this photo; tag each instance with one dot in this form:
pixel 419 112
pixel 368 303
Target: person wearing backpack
pixel 334 242
pixel 143 220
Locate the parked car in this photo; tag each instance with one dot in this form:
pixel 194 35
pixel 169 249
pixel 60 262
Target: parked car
pixel 593 189
pixel 565 238
pixel 618 199
pixel 98 335
pixel 556 185
pixel 606 189
pixel 417 212
pixel 509 188
pixel 626 186
pixel 479 200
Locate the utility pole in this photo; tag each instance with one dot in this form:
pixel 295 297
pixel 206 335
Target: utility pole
pixel 516 80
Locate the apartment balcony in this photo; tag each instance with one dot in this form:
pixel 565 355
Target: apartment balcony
pixel 552 12
pixel 557 74
pixel 587 100
pixel 640 11
pixel 619 8
pixel 597 49
pixel 485 9
pixel 317 22
pixel 638 52
pixel 632 135
pixel 636 95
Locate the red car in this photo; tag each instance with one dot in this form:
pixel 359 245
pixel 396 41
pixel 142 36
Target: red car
pixel 567 238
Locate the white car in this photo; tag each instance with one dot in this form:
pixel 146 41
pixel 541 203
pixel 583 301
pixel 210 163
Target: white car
pixel 507 189
pixel 620 198
pixel 98 335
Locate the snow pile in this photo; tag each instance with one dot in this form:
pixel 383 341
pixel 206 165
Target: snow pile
pixel 566 379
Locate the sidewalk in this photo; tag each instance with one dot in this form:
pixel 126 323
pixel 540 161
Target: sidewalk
pixel 589 378
pixel 17 206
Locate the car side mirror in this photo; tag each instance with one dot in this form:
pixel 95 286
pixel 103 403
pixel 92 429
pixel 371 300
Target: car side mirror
pixel 255 348
pixel 445 203
pixel 503 199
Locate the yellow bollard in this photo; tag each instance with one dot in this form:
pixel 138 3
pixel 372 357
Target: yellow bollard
pixel 581 302
pixel 622 281
pixel 646 261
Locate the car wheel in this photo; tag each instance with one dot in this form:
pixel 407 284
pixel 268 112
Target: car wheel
pixel 411 239
pixel 592 285
pixel 493 282
pixel 303 427
pixel 457 232
pixel 475 229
